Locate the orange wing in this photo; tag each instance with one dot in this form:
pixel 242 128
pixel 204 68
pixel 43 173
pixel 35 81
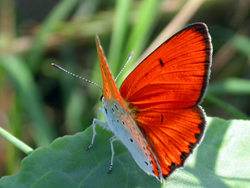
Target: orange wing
pixel 175 75
pixel 172 135
pixel 163 93
pixel 109 87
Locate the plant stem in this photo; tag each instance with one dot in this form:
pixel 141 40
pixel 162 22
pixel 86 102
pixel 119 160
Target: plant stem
pixel 228 107
pixel 18 143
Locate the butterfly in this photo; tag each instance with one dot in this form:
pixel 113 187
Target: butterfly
pixel 156 112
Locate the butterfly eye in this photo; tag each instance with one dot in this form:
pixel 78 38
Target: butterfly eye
pixel 101 98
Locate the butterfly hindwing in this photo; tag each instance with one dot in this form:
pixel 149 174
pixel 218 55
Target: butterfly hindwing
pixel 172 134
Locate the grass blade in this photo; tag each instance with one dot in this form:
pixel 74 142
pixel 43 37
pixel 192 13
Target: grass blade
pixel 59 13
pixel 22 77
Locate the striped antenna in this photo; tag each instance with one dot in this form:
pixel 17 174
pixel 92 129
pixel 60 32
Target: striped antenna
pixel 75 75
pixel 130 56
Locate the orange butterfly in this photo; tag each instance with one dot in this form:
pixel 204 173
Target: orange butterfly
pixel 156 112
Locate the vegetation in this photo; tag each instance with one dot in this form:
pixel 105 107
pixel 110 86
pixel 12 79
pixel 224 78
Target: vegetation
pixel 39 104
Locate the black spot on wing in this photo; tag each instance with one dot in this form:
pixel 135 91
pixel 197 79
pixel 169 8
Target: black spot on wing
pixel 161 62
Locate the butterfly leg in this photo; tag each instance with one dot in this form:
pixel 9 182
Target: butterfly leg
pixel 96 121
pixel 113 138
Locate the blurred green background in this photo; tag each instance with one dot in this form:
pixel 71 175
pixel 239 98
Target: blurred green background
pixel 39 103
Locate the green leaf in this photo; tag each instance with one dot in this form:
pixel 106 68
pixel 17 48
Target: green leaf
pixel 66 163
pixel 222 160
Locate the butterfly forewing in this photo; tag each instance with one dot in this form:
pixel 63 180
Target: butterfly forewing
pixel 174 75
pixel 109 87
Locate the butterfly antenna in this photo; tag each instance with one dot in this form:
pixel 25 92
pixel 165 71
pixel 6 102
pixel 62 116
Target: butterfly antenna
pixel 75 75
pixel 130 56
